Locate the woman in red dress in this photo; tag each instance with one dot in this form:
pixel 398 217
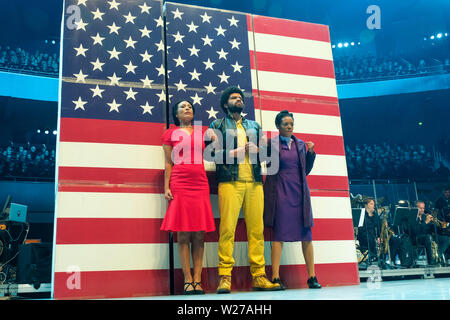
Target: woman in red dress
pixel 186 188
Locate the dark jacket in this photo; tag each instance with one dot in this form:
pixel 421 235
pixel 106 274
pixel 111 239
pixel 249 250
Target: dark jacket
pixel 229 169
pixel 270 185
pixel 421 228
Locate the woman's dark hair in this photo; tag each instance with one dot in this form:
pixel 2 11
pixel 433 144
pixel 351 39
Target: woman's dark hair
pixel 368 200
pixel 175 111
pixel 279 118
pixel 226 94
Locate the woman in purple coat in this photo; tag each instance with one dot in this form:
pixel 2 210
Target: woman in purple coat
pixel 287 200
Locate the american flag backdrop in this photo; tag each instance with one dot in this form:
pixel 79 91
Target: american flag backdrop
pixel 279 64
pixel 110 200
pixel 113 104
pixel 293 69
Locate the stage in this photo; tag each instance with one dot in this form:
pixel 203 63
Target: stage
pixel 415 289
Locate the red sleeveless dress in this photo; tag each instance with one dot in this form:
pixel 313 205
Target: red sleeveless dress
pixel 190 209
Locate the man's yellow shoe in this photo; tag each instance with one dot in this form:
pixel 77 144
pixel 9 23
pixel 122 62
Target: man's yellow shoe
pixel 261 283
pixel 224 284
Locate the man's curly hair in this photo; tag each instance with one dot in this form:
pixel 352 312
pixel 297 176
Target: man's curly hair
pixel 226 94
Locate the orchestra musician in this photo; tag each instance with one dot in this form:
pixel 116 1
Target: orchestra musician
pixel 369 230
pixel 440 217
pixel 423 231
pixel 442 205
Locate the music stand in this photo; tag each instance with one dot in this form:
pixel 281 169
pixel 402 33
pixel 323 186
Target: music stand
pixel 356 214
pixel 405 217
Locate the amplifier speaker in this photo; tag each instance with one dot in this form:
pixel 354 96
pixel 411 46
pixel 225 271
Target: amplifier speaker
pixel 34 264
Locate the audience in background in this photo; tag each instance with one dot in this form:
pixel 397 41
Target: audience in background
pixel 370 68
pixel 18 59
pixel 394 161
pixel 364 161
pixel 347 68
pixel 27 161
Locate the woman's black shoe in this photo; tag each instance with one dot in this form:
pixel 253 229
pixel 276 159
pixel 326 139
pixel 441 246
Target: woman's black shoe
pixel 186 286
pixel 277 280
pixel 313 284
pixel 196 291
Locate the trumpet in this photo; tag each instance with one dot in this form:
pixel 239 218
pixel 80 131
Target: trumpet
pixel 386 234
pixel 433 218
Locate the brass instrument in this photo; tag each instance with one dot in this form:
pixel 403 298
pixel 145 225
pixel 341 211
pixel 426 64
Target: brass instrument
pixel 434 250
pixel 386 234
pixel 440 224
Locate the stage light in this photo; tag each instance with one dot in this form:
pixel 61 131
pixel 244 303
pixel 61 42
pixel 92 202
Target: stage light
pixel 432 37
pixel 446 34
pixel 54 132
pixel 420 123
pixel 339 45
pixel 439 35
pixel 333 46
pixel 53 41
pixel 46 131
pixel 346 44
pixel 352 43
pixel 425 38
pixel 38 131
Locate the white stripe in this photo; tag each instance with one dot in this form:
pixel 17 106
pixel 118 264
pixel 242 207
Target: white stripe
pixel 251 45
pixel 112 257
pixel 102 155
pixel 331 207
pixel 115 257
pixel 290 46
pixel 342 251
pixel 104 205
pixel 329 165
pixel 323 207
pixel 294 83
pixel 109 155
pixel 305 123
pixel 111 205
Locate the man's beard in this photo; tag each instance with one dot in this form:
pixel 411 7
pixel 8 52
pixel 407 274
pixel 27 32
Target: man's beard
pixel 235 109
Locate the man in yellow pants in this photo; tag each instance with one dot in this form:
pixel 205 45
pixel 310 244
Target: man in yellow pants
pixel 240 186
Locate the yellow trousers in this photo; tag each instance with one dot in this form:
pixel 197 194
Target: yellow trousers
pixel 232 197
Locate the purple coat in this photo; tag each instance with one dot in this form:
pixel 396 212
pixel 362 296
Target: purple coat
pixel 270 185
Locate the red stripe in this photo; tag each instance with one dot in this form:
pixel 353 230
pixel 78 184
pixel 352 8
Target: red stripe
pixel 109 231
pixel 291 64
pixel 141 283
pixel 137 230
pixel 111 131
pixel 110 176
pixel 316 183
pixel 293 97
pixel 328 275
pixel 249 22
pixel 326 193
pixel 160 190
pixel 291 28
pixel 323 230
pixel 295 103
pixel 147 180
pixel 109 188
pixel 293 276
pixel 111 284
pixel 323 144
pixel 328 182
